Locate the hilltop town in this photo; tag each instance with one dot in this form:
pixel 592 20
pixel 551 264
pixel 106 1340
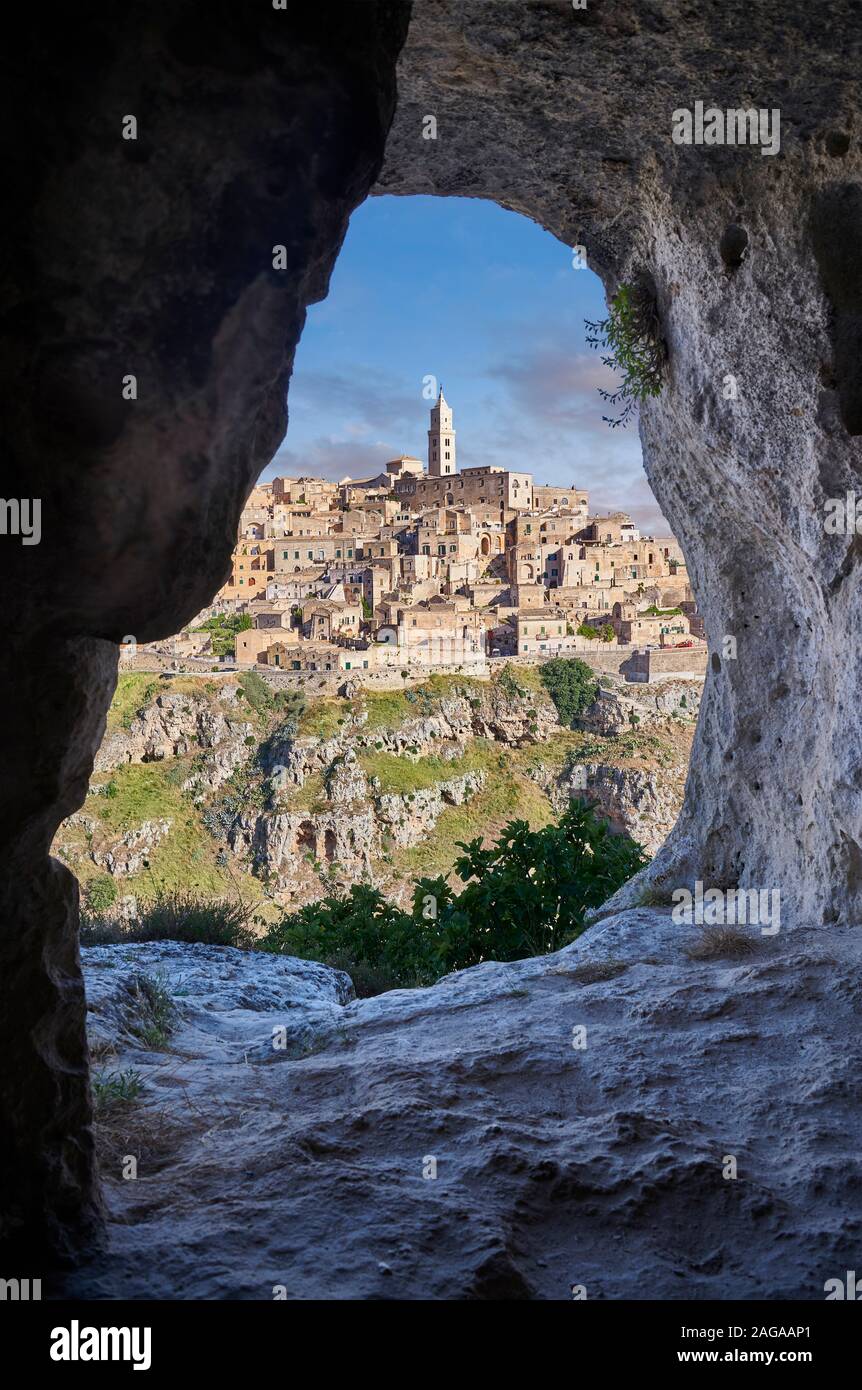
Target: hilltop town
pixel 436 568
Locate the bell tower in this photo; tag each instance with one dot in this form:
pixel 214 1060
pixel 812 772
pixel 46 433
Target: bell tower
pixel 441 439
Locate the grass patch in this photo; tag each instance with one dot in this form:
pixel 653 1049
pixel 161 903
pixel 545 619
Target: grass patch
pixel 592 972
pixel 387 709
pixel 403 776
pixel 324 718
pixel 178 915
pixel 716 942
pixel 113 1089
pixel 653 896
pixel 186 859
pixel 157 1012
pixel 133 692
pixel 508 794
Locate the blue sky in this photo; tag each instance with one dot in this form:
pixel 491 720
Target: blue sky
pixel 486 302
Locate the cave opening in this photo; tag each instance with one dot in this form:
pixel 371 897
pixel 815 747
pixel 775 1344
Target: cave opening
pixel 739 476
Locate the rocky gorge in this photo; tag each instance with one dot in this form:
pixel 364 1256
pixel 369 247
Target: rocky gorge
pixel 194 786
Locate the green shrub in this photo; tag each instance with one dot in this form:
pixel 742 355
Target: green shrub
pixel 361 931
pixel 525 895
pixel 571 685
pixel 508 683
pixel 156 1012
pixel 256 691
pixel 223 628
pixel 632 336
pixel 101 892
pixel 529 893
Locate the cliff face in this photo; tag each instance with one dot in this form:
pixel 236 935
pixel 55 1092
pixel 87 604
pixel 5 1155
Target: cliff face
pixel 381 792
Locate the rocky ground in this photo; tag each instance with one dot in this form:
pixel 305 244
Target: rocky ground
pixel 197 788
pixel 511 1132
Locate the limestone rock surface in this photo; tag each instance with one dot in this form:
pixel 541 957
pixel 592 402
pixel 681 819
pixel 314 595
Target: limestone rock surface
pixel 556 1164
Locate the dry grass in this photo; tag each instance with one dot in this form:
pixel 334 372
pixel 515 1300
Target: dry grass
pixel 593 971
pixel 716 942
pixel 148 1135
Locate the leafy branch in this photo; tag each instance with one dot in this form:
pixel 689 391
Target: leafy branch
pixel 631 342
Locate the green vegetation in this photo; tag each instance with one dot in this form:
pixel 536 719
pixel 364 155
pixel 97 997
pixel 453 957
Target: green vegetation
pixel 508 682
pixel 525 895
pixel 101 892
pixel 133 692
pixel 404 775
pixel 223 629
pixel 632 336
pixel 156 1010
pixel 112 1089
pixel 662 612
pixel 571 685
pixel 178 915
pixel 324 718
pixel 265 701
pixel 388 709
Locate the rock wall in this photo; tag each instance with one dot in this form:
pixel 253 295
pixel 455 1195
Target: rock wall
pixel 146 346
pixel 308 814
pixel 557 113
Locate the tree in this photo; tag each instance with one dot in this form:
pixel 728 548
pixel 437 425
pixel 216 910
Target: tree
pixel 571 685
pixel 528 893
